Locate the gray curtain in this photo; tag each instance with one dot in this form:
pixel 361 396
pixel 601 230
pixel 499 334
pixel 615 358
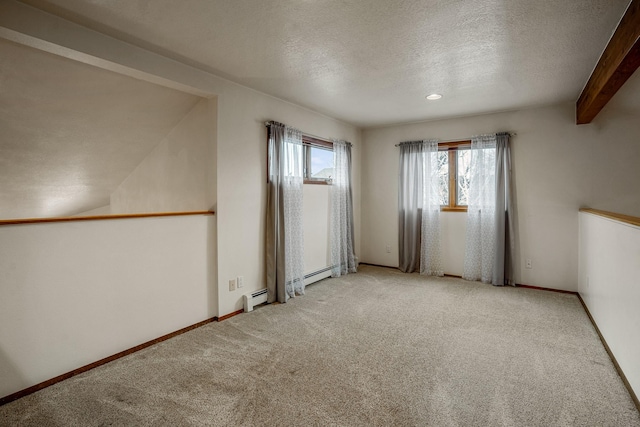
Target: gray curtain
pixel 343 260
pixel 503 270
pixel 284 237
pixel 410 203
pixel 489 249
pixel 419 209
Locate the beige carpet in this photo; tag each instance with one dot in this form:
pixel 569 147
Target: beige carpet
pixel 374 348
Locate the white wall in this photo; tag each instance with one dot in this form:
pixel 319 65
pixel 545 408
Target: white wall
pixel 315 214
pixel 102 210
pixel 610 287
pixel 173 177
pixel 76 292
pixel 558 168
pixel 237 143
pixel 453 227
pixel 241 179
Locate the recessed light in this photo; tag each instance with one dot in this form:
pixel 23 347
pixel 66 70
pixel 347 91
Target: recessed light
pixel 434 96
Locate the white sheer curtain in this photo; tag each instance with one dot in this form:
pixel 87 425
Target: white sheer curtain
pixel 343 259
pixel 419 209
pixel 285 240
pixel 491 212
pixel 431 239
pixel 480 251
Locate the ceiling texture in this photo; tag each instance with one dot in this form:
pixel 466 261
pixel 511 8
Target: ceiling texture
pixel 371 63
pixel 67 137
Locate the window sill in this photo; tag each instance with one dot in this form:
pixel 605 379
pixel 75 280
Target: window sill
pixel 453 209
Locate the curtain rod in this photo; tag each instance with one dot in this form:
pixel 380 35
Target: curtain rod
pixel 322 138
pixel 451 140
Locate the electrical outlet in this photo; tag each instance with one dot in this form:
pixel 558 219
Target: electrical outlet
pixel 240 281
pixel 528 263
pixel 388 248
pixel 232 284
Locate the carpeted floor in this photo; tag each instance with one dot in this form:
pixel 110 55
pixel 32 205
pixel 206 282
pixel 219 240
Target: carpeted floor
pixel 374 348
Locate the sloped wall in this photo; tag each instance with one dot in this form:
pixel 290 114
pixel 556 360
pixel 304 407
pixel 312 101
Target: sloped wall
pixel 175 175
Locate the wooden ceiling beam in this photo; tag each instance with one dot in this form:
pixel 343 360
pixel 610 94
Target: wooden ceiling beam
pixel 617 63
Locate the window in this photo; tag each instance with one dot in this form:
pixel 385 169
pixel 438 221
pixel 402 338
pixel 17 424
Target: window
pixel 318 160
pixel 454 161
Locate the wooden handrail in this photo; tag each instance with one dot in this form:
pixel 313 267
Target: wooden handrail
pixel 627 219
pixel 99 217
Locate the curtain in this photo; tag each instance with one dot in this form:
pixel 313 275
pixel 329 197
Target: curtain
pixel 419 208
pixel 285 244
pixel 489 240
pixel 343 259
pixel 503 270
pixel 431 240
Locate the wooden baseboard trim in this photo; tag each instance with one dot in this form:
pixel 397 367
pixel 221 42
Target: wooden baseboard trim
pixel 518 285
pixel 611 356
pixel 378 265
pixel 538 288
pixel 52 381
pixel 226 316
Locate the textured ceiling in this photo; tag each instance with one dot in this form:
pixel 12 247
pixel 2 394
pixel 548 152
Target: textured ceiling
pixel 71 133
pixel 371 63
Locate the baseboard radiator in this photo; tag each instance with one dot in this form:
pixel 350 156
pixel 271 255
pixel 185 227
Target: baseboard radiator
pixel 317 275
pixel 258 297
pixel 254 298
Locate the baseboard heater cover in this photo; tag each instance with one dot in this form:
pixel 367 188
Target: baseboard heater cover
pixel 253 299
pixel 258 297
pixel 317 275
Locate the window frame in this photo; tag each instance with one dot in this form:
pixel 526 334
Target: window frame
pixel 452 148
pixel 307 143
